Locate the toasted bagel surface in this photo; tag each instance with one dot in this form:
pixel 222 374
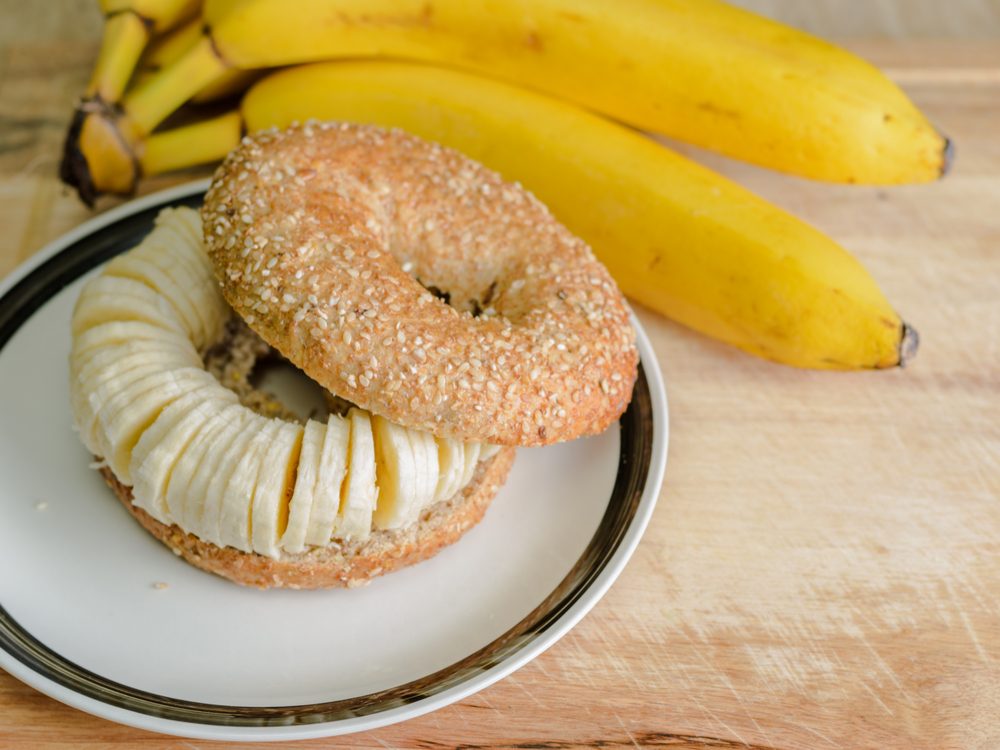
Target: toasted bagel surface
pixel 419 285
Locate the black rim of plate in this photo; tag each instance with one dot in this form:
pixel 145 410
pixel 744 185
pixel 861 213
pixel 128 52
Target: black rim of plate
pixel 636 426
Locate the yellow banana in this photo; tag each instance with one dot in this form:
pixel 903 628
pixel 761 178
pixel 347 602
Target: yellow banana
pixel 122 41
pixel 677 237
pixel 168 47
pixel 698 70
pixel 164 50
pixel 185 146
pixel 128 26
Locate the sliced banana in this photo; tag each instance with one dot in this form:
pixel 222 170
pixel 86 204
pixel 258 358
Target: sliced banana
pixel 237 499
pixel 472 451
pixel 275 485
pixel 118 332
pixel 218 468
pixel 425 453
pixel 194 456
pixel 186 222
pixel 198 282
pixel 180 254
pixel 360 490
pixel 123 418
pixel 117 358
pixel 161 445
pixel 330 483
pixel 398 475
pixel 451 468
pixel 300 506
pixel 109 298
pixel 133 266
pixel 95 388
pixel 184 503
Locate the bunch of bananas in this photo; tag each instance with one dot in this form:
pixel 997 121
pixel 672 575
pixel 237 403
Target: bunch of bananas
pixel 543 91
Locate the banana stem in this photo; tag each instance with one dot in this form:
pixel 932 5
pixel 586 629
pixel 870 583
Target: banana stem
pixel 125 36
pixel 186 146
pixel 168 47
pixel 153 101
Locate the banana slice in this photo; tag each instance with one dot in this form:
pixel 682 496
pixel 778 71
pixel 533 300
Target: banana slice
pixel 451 468
pixel 121 357
pixel 398 473
pixel 330 484
pixel 117 332
pixel 133 266
pixel 184 505
pixel 306 476
pixel 237 500
pixel 425 454
pixel 110 298
pixel 275 485
pixel 93 390
pixel 218 468
pixel 186 222
pixel 159 447
pixel 125 416
pixel 472 451
pixel 198 281
pixel 172 248
pixel 360 492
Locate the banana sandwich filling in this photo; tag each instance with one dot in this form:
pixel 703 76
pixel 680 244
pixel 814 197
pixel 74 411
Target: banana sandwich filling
pixel 212 459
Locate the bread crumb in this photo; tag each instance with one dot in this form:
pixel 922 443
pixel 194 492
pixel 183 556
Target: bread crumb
pixel 160 585
pixel 41 505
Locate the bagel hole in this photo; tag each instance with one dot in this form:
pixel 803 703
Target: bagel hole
pixel 475 306
pixel 275 376
pixel 264 380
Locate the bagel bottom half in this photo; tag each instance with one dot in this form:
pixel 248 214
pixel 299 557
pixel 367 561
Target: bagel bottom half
pixel 339 564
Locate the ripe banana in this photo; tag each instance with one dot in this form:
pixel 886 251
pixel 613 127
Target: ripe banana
pixel 322 511
pixel 359 496
pixel 676 236
pixel 184 504
pixel 142 399
pixel 201 142
pixel 274 489
pixel 128 26
pixel 304 494
pixel 697 70
pixel 163 50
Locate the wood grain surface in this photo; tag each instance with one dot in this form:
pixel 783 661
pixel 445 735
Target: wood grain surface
pixel 822 570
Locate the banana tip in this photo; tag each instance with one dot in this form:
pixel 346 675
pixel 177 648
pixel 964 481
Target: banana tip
pixel 947 156
pixel 909 342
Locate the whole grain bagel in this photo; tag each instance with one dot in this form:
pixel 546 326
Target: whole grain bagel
pixel 419 285
pixel 162 393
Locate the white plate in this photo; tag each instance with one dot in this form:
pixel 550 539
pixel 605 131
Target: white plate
pixel 82 619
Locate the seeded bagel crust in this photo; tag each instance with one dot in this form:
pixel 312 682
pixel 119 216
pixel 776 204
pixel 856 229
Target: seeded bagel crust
pixel 338 565
pixel 338 244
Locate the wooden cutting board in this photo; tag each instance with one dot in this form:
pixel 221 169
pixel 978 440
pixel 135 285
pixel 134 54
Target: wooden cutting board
pixel 823 568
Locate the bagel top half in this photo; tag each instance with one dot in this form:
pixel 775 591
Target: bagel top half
pixel 419 285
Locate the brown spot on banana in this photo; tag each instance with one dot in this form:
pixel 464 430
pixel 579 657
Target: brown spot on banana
pixel 534 42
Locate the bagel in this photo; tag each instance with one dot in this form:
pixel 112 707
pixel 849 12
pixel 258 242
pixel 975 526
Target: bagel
pixel 221 472
pixel 446 314
pixel 419 285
